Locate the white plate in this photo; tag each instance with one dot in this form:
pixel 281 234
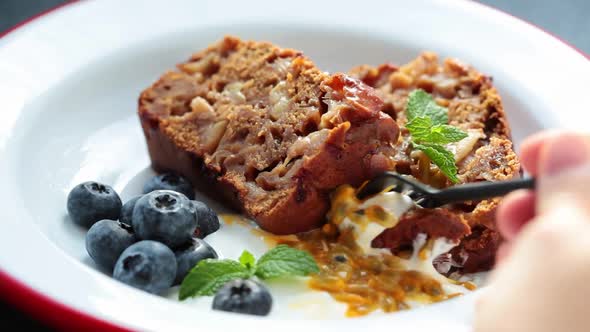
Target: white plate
pixel 69 82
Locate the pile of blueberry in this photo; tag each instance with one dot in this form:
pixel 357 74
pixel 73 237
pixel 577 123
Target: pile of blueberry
pixel 153 240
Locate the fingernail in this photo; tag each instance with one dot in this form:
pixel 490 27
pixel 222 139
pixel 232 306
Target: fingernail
pixel 564 152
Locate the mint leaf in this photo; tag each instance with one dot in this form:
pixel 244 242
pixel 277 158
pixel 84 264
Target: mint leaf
pixel 419 127
pixel 209 275
pixel 444 134
pixel 423 131
pixel 441 157
pixel 421 104
pixel 284 261
pixel 428 126
pixel 416 104
pixel 248 260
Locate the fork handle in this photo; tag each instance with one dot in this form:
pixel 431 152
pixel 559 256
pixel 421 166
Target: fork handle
pixel 480 190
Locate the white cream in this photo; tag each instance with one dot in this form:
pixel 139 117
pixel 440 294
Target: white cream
pixel 396 204
pixel 393 202
pixel 365 235
pixel 478 278
pixel 424 264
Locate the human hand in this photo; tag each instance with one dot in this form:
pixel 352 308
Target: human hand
pixel 541 279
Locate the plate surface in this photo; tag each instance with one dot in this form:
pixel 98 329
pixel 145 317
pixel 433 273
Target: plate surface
pixel 69 83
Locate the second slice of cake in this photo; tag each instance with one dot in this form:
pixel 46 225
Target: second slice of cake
pixel 486 154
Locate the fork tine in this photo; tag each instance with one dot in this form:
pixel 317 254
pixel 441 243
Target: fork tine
pixel 402 184
pixel 419 200
pixel 415 195
pixel 430 197
pixel 378 184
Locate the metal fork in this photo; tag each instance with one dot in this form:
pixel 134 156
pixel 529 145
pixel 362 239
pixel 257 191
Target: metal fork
pixel 429 197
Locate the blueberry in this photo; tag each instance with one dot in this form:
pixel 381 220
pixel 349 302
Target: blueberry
pixel 190 254
pixel 147 265
pixel 90 202
pixel 127 210
pixel 164 216
pixel 207 220
pixel 106 240
pixel 245 296
pixel 170 181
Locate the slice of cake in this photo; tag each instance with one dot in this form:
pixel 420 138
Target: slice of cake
pixel 266 130
pixel 485 155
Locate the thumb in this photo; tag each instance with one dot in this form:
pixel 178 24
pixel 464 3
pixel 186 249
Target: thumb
pixel 564 173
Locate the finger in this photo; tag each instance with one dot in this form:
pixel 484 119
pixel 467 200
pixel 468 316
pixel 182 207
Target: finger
pixel 516 209
pixel 561 152
pixel 530 149
pixel 503 252
pixel 563 172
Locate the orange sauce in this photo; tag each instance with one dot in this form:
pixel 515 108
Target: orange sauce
pixel 469 285
pixel 230 219
pixel 270 239
pixel 366 283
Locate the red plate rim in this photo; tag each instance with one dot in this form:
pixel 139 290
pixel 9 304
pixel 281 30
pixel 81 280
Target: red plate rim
pixel 48 310
pixel 53 312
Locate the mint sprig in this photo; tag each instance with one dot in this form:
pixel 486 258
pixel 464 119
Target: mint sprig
pixel 284 261
pixel 428 126
pixel 424 130
pixel 211 274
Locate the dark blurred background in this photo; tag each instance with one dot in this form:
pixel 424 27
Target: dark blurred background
pixel 566 19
